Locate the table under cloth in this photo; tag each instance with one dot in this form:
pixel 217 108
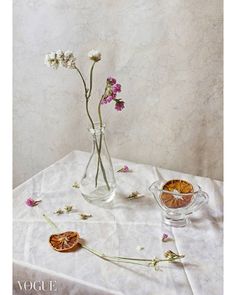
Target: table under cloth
pixel 116 231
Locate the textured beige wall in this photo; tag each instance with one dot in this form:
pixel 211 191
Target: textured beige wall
pixel 167 54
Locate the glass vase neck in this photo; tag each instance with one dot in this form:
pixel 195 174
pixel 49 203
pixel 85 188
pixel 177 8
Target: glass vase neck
pixel 98 129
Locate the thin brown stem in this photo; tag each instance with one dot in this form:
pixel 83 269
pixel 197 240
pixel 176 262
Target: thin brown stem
pixel 87 94
pixel 84 83
pixel 100 139
pixel 50 222
pixel 91 80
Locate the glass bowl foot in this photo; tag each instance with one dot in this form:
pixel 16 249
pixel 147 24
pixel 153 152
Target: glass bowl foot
pixel 171 221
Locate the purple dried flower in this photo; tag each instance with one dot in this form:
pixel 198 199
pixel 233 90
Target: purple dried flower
pixel 124 169
pixel 111 80
pixel 109 98
pixel 119 106
pixel 165 238
pixel 116 88
pixel 31 202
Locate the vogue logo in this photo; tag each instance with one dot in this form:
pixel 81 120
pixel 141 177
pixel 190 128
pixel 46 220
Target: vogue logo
pixel 49 286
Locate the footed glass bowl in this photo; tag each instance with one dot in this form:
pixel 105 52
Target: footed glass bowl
pixel 178 199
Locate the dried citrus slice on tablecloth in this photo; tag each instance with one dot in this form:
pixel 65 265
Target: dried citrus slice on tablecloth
pixel 64 242
pixel 177 186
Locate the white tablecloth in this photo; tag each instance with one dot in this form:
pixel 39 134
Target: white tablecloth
pixel 116 231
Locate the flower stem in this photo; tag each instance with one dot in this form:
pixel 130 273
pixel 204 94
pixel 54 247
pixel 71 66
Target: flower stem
pixel 89 116
pixel 102 167
pixel 91 80
pixel 50 222
pixel 116 259
pixel 87 94
pixel 139 261
pixel 84 83
pixel 100 139
pixel 98 150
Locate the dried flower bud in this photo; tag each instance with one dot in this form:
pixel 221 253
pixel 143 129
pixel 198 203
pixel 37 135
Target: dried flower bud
pixel 59 212
pixel 172 256
pixel 111 80
pixel 68 209
pixel 60 54
pixel 165 238
pixel 85 216
pixel 135 195
pixel 120 105
pixel 75 185
pixel 124 169
pixel 51 60
pixel 31 202
pixel 94 55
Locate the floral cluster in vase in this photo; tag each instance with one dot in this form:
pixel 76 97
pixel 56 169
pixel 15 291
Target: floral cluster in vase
pixel 98 182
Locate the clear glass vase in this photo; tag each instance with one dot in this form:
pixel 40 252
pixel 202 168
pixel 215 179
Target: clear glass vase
pixel 98 183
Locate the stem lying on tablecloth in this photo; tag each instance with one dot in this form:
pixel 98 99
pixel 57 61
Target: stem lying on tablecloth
pixel 170 256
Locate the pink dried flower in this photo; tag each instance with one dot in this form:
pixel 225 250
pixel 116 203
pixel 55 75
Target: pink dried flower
pixel 103 101
pixel 116 88
pixel 31 202
pixel 109 98
pixel 119 106
pixel 124 169
pixel 165 238
pixel 111 80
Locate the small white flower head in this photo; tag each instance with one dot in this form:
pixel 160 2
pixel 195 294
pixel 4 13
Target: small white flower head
pixel 68 54
pixel 51 60
pixel 94 55
pixel 69 60
pixel 60 57
pixel 65 59
pixel 60 54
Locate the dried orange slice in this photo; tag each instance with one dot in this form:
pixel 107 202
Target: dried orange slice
pixel 177 186
pixel 64 242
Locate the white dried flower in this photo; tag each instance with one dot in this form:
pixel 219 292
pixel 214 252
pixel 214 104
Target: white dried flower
pixel 135 195
pixel 69 60
pixel 85 216
pixel 75 185
pixel 94 55
pixel 68 54
pixel 51 60
pixel 59 211
pixel 70 63
pixel 60 58
pixel 68 208
pixel 60 54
